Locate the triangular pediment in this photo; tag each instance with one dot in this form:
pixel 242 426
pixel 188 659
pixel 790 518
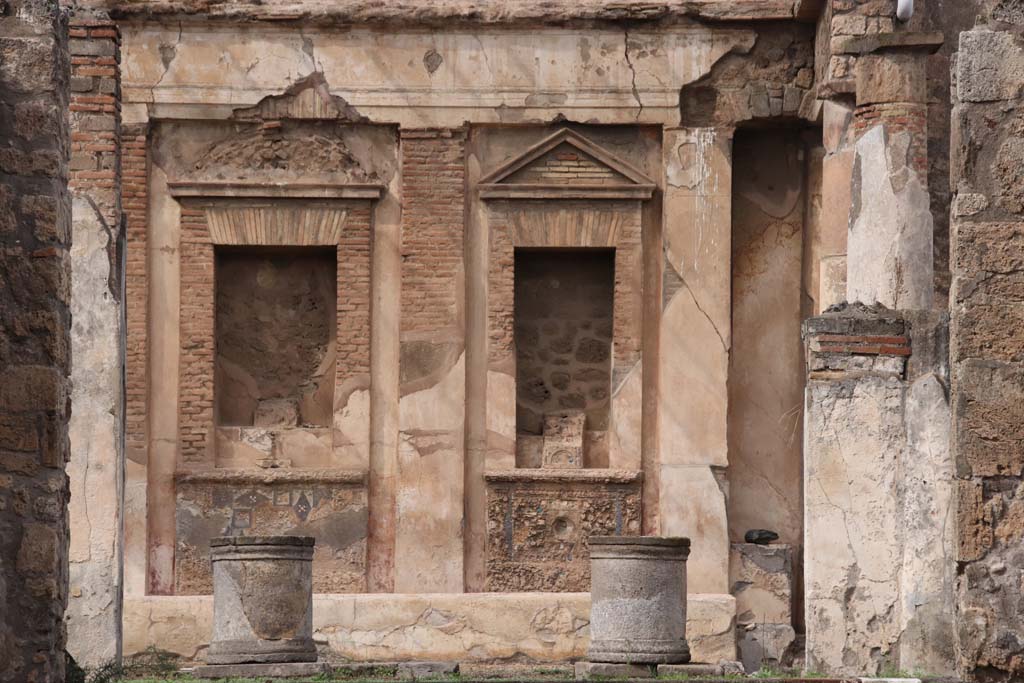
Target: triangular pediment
pixel 566 165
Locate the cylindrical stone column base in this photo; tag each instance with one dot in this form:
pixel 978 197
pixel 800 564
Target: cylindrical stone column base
pixel 638 600
pixel 262 600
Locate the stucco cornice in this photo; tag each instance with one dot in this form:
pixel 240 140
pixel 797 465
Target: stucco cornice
pixel 430 12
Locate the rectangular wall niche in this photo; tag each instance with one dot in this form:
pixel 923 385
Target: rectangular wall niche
pixel 563 325
pixel 276 312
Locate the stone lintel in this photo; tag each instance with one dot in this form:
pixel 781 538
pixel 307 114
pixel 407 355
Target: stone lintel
pixel 925 42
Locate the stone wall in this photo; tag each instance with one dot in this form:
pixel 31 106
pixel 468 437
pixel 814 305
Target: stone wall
pixel 96 468
pixel 563 334
pixel 35 362
pixel 987 363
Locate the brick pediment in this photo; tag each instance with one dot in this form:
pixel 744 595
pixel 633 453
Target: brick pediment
pixel 566 165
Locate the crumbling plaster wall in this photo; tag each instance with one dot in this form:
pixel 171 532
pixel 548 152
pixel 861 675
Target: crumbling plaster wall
pixel 96 469
pixel 35 356
pixel 765 367
pixel 878 494
pixel 987 300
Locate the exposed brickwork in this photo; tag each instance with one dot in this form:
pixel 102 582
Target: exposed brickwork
pixel 353 336
pixel 196 414
pixel 433 189
pixel 565 164
pixel 195 382
pixel 899 117
pixel 627 304
pixel 501 286
pixel 96 117
pixel 134 203
pixel 34 340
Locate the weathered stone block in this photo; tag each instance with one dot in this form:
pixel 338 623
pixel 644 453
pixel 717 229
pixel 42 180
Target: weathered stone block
pixel 286 670
pixel 990 418
pixel 27 64
pixel 990 66
pixel 891 77
pixel 563 440
pixel 765 646
pixel 588 671
pixel 761 578
pixel 456 627
pixel 690 671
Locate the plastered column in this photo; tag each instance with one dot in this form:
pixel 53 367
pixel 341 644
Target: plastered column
pixel 826 263
pixel 384 372
pixel 96 469
pixel 694 351
pixel 889 250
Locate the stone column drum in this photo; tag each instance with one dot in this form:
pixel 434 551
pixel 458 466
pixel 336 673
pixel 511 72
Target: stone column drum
pixel 638 600
pixel 262 600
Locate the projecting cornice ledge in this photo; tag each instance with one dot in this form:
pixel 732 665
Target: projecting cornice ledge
pixel 468 12
pixel 229 189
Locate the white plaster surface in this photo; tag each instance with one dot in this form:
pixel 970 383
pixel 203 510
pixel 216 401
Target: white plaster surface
pixel 889 248
pixel 439 627
pixel 510 76
pixel 96 469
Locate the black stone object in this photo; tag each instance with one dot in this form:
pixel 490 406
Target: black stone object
pixel 760 536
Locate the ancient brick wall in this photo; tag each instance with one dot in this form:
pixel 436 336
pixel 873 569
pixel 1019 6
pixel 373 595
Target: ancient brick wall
pixel 195 390
pixel 987 354
pixel 95 108
pixel 134 204
pixel 353 335
pixel 433 189
pixel 501 285
pixel 35 222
